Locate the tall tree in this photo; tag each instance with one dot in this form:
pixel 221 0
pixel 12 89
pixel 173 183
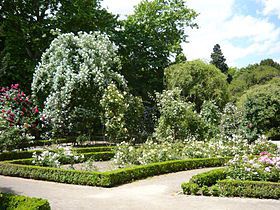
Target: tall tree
pixel 219 61
pixel 149 38
pixel 25 31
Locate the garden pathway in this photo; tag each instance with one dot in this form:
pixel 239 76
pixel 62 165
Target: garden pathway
pixel 155 193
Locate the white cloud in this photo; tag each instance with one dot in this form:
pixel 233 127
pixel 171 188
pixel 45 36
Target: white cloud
pixel 271 7
pixel 219 23
pixel 121 7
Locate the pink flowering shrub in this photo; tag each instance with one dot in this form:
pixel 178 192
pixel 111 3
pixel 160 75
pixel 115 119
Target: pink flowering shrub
pixel 19 118
pixel 17 109
pixel 264 167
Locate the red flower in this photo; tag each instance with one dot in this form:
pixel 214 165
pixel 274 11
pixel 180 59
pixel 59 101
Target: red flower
pixel 15 86
pixel 3 110
pixel 35 110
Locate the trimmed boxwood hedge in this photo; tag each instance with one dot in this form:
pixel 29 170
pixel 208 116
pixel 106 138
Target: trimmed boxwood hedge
pixel 10 201
pixel 106 179
pixel 253 189
pixel 28 154
pixel 214 183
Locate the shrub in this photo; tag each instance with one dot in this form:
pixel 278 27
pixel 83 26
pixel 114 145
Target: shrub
pixel 9 201
pixel 154 151
pixel 105 179
pixel 71 79
pixel 209 178
pixel 199 82
pixel 13 138
pixel 253 189
pixel 261 109
pixel 178 119
pixel 265 167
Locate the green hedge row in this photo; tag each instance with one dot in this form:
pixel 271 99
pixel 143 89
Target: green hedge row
pixel 253 189
pixel 9 201
pixel 106 179
pixel 214 183
pixel 28 154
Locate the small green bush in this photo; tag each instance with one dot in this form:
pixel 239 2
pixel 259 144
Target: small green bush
pixel 253 189
pixel 209 178
pixel 17 202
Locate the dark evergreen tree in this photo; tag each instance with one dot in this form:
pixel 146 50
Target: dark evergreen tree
pixel 219 61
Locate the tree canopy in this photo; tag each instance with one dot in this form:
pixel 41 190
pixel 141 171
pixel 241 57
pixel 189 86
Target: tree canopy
pixel 149 38
pixel 199 82
pixel 26 31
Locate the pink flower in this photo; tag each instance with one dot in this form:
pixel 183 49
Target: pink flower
pixel 35 110
pixel 15 86
pixel 265 153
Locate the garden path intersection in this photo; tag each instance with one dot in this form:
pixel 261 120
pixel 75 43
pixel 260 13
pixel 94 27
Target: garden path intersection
pixel 155 193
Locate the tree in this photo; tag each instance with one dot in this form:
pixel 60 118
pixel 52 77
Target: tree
pixel 26 31
pixel 149 38
pixel 270 62
pixel 219 61
pixel 199 82
pixel 71 80
pixel 250 76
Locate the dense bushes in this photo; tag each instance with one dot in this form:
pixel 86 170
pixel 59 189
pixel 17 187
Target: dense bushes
pixel 9 201
pixel 261 110
pixel 199 82
pixel 106 179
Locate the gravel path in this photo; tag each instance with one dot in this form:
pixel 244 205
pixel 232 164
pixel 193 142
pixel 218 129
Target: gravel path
pixel 155 193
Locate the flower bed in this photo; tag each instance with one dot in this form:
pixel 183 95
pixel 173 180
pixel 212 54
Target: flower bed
pixel 104 179
pixel 256 177
pixel 9 201
pixel 28 154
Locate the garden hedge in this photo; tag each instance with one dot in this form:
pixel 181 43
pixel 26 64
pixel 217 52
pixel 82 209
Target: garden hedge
pixel 28 154
pixel 10 201
pixel 214 183
pixel 253 189
pixel 106 179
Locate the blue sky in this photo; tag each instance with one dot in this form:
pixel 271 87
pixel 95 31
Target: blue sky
pixel 247 30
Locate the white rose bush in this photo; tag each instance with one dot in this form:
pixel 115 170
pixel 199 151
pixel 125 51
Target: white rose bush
pixel 71 79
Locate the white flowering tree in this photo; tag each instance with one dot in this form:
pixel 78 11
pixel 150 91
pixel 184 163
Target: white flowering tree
pixel 71 79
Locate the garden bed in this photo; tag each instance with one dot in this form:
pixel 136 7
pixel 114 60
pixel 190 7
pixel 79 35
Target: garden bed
pixel 214 183
pixel 104 179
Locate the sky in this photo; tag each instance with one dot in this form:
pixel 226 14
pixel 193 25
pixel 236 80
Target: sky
pixel 247 30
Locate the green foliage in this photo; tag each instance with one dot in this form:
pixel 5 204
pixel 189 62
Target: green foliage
pixel 252 189
pixel 250 76
pixel 199 82
pixel 149 37
pixel 178 119
pixel 261 109
pixel 26 31
pixel 219 61
pixel 209 178
pixel 106 179
pixel 211 115
pixel 270 62
pixel 18 202
pixel 13 138
pixel 114 109
pixel 71 79
pixel 214 183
